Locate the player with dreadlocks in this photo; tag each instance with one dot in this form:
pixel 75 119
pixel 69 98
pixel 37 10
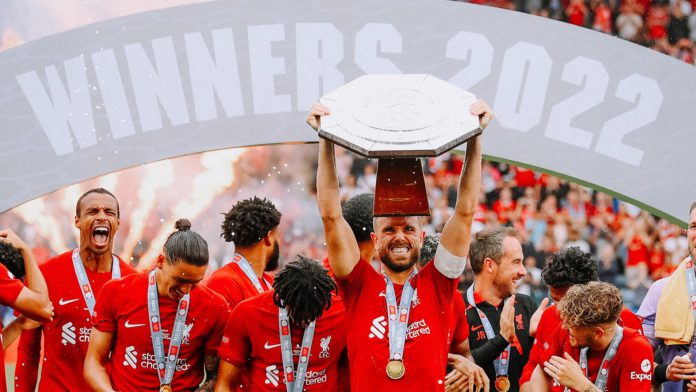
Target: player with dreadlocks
pixel 292 335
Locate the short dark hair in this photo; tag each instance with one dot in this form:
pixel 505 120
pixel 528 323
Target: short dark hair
pixel 358 212
pixel 12 260
pixel 693 206
pixel 304 288
pixel 186 245
pixel 249 221
pixel 488 243
pixel 78 206
pixel 569 267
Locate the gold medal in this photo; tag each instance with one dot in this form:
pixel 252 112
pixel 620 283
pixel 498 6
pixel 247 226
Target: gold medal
pixel 502 384
pixel 395 369
pixel 166 388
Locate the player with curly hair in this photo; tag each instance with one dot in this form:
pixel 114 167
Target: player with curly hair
pixel 292 334
pixel 593 352
pixel 565 269
pixel 252 226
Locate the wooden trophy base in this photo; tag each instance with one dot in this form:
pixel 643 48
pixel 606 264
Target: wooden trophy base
pixel 400 189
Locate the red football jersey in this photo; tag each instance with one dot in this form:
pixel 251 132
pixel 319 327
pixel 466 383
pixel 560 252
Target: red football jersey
pixel 252 341
pixel 459 326
pixel 231 282
pixel 66 337
pixel 549 322
pixel 630 370
pixel 9 291
pixel 122 309
pixel 425 352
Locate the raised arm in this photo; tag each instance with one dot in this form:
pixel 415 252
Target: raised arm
pixel 33 299
pixel 456 233
pixel 342 246
pixel 95 362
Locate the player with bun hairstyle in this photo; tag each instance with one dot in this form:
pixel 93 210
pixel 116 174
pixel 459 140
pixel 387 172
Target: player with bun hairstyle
pixel 159 319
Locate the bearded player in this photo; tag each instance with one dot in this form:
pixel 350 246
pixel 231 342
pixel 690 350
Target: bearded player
pixel 74 280
pixel 291 337
pixel 416 357
pixel 252 225
pixel 156 330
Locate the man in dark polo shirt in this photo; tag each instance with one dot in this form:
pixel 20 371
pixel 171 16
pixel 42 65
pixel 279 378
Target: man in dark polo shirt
pixel 498 317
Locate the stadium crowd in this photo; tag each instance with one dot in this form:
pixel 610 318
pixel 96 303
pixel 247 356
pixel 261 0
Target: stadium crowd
pixel 667 26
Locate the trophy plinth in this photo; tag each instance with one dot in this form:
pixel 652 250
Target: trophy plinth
pixel 399 118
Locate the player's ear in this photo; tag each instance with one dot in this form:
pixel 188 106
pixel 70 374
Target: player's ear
pixel 160 261
pixel 488 264
pixel 77 221
pixel 268 238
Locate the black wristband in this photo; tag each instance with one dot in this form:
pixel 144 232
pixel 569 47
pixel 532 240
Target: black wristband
pixel 661 374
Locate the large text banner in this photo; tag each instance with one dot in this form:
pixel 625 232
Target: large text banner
pixel 235 73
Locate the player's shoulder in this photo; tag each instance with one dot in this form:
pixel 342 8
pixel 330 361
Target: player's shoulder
pixel 126 269
pixel 208 297
pixel 258 303
pixel 57 263
pixel 126 283
pixel 634 338
pixel 224 275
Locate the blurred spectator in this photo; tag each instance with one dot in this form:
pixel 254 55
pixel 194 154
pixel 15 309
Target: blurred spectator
pixel 629 23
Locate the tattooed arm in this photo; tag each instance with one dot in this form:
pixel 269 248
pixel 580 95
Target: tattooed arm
pixel 212 362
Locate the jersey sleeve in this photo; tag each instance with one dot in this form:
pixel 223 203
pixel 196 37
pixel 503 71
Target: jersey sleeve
pixel 221 313
pixel 461 326
pixel 543 332
pixel 349 286
pixel 637 367
pixel 28 354
pixel 235 346
pixel 9 287
pixel 104 317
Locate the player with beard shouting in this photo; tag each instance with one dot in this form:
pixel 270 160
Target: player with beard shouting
pixel 74 280
pixel 413 354
pixel 252 225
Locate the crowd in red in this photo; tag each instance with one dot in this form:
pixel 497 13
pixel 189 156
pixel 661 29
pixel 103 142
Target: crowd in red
pixel 668 26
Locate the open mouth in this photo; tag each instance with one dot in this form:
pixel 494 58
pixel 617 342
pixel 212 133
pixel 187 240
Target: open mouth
pixel 100 234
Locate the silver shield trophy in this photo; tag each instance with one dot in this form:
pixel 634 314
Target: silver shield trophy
pixel 398 119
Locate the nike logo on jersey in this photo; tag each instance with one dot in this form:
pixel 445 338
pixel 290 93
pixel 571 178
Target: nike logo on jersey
pixel 63 302
pixel 129 325
pixel 476 328
pixel 270 346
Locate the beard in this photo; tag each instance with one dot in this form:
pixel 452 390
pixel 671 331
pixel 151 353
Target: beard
pixel 393 266
pixel 272 263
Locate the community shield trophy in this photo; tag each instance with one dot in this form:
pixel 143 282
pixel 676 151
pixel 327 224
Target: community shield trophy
pixel 399 119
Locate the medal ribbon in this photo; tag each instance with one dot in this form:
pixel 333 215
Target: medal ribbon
pixel 165 365
pixel 249 272
pixel 691 284
pixel 83 280
pixel 398 316
pixel 501 363
pixel 603 373
pixel 292 383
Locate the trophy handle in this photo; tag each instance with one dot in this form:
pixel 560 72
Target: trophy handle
pixel 400 189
